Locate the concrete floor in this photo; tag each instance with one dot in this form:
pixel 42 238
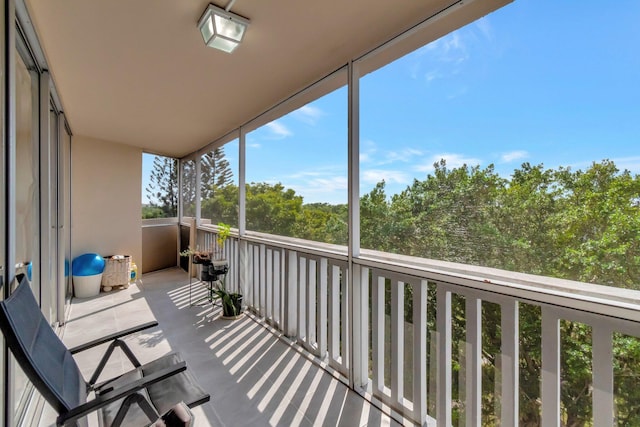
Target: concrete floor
pixel 255 378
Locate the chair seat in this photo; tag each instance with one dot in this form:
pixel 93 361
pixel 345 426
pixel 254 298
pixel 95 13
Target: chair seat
pixel 161 394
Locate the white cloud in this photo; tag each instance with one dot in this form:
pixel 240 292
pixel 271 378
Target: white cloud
pixel 365 158
pixel 254 145
pixel 433 75
pixel 452 160
pixel 485 28
pixel 632 164
pixel 368 149
pixel 319 187
pixel 306 174
pixel 405 155
pixel 513 156
pixel 452 49
pixel 373 176
pixel 308 114
pixel 278 130
pixel 369 153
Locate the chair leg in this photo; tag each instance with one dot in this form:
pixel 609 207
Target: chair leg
pixel 144 404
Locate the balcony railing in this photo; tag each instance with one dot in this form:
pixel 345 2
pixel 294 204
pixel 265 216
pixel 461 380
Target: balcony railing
pixel 390 334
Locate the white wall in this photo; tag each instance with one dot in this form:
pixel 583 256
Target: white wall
pixel 106 181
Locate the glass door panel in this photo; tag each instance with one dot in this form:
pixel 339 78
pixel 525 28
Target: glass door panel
pixel 27 212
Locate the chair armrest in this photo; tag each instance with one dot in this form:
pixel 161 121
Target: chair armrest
pixel 111 337
pixel 112 395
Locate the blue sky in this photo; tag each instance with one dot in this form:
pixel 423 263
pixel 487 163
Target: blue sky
pixel 539 81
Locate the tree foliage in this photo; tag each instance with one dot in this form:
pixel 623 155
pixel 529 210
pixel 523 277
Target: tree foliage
pixel 162 189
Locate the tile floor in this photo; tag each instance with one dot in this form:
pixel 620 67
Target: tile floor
pixel 254 377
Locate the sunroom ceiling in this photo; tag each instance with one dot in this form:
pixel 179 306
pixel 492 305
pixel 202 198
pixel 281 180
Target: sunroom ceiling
pixel 138 72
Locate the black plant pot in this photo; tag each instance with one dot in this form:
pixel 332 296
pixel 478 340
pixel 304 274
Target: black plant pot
pixel 201 258
pixel 207 276
pixel 234 309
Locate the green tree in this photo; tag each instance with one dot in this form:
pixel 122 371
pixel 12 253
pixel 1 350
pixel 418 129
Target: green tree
pixel 222 205
pixel 189 188
pixel 162 189
pixel 322 222
pixel 272 209
pixel 601 226
pixel 215 173
pixel 149 212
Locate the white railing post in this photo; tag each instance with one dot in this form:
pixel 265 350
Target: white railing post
pixel 290 320
pixel 261 276
pixel 377 332
pixel 359 329
pixel 269 284
pixel 550 390
pixel 302 298
pixel 322 309
pixel 397 342
pixel 602 376
pixel 277 286
pixel 334 312
pixel 443 388
pixel 243 273
pixel 473 354
pixel 510 356
pixel 311 303
pixel 344 315
pixel 255 270
pixel 420 352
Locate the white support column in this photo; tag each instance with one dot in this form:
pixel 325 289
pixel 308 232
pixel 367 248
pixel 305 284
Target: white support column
pixel 321 305
pixel 291 295
pixel 242 191
pixel 358 328
pixel 510 364
pixel 180 166
pixel 198 190
pixel 550 390
pixel 397 343
pixel 354 160
pixel 443 325
pixel 602 376
pixel 474 361
pixel 420 352
pixel 377 333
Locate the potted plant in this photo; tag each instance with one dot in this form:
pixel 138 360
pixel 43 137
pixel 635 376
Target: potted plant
pixel 224 231
pixel 231 301
pixel 198 257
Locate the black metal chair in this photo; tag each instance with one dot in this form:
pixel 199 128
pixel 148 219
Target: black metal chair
pixel 136 398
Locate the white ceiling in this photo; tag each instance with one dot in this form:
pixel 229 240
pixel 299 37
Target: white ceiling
pixel 138 73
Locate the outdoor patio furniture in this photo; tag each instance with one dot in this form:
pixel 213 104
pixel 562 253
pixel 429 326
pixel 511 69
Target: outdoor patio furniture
pixel 136 398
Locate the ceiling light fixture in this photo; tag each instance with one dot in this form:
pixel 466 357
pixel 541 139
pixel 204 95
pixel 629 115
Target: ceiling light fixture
pixel 222 29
